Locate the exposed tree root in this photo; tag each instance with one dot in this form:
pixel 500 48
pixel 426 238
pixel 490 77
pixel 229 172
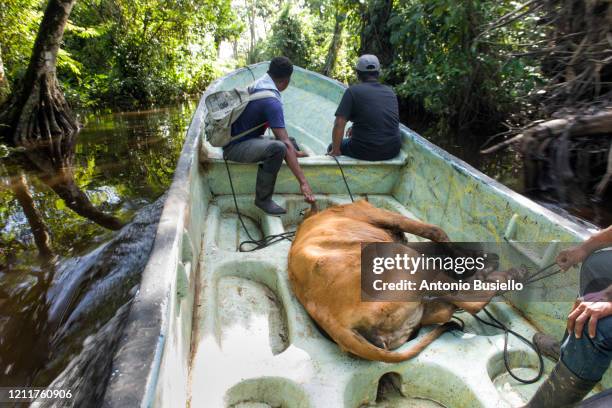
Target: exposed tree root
pixel 569 157
pixel 20 188
pixel 38 118
pixel 569 154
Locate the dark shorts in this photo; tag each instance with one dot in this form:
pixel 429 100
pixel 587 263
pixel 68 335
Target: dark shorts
pixel 357 151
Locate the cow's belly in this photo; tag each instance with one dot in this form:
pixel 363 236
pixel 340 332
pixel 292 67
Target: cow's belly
pixel 326 277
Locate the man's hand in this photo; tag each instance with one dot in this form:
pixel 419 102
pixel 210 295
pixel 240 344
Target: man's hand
pixel 571 256
pixel 334 152
pixel 307 192
pixel 584 311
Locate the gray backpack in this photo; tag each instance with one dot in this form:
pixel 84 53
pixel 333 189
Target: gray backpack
pixel 223 108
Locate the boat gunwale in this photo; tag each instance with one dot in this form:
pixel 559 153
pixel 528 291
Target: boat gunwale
pixel 523 201
pixel 138 356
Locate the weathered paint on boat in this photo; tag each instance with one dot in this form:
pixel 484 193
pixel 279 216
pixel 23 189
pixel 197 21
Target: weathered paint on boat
pixel 201 331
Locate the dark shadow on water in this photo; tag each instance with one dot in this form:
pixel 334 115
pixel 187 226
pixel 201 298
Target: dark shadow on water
pixel 506 166
pixel 65 274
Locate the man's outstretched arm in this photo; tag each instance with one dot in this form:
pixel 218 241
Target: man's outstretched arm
pixel 294 166
pixel 574 255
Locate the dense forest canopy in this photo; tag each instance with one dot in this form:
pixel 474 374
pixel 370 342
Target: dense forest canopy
pixel 463 66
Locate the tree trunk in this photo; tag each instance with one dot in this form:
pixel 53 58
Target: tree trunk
pixel 37 114
pixel 375 34
pixel 251 18
pixel 38 117
pixel 19 185
pixel 5 90
pixel 334 46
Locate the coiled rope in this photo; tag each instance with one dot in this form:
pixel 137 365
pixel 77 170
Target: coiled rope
pixel 255 244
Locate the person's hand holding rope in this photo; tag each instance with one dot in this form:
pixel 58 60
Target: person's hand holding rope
pixel 307 193
pixel 591 307
pixel 571 256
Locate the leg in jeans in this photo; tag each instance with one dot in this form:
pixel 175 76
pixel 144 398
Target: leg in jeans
pixel 271 154
pixel 596 272
pixel 583 361
pixel 350 149
pixel 587 357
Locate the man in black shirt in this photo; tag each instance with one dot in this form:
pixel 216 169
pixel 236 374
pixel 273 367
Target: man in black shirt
pixel 373 109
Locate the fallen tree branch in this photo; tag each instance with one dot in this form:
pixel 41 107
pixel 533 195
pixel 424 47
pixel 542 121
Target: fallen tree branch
pixel 502 145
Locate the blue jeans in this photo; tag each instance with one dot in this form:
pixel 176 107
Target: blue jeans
pixel 589 358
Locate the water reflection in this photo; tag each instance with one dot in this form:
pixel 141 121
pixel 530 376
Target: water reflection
pixel 58 212
pixel 38 227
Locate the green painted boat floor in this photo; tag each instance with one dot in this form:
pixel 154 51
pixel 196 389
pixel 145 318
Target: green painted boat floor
pixel 255 346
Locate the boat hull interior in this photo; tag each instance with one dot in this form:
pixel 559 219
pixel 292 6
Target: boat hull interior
pixel 214 327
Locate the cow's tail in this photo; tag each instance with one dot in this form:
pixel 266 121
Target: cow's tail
pixel 353 342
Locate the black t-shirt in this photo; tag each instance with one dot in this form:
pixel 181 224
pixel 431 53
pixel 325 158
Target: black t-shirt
pixel 373 109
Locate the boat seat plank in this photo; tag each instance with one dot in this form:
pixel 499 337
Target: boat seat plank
pixel 210 154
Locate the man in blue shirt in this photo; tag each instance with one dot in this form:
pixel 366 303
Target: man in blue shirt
pixel 252 147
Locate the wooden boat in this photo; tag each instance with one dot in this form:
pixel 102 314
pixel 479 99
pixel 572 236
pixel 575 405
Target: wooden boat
pixel 213 327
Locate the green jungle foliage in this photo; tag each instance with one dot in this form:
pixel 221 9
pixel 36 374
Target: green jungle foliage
pixel 293 37
pixel 450 70
pixel 125 53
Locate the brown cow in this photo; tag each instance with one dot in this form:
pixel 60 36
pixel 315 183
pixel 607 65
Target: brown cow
pixel 325 274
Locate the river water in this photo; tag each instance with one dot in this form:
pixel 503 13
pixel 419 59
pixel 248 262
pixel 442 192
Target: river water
pixel 51 308
pixel 60 316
